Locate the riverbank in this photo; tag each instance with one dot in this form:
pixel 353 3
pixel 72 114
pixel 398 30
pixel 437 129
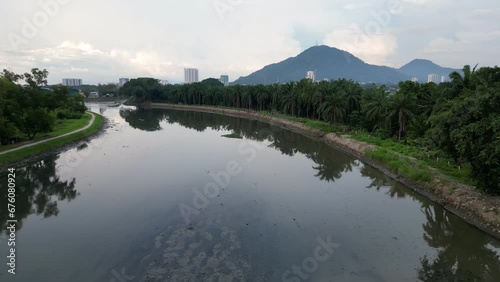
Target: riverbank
pixel 461 199
pixel 35 150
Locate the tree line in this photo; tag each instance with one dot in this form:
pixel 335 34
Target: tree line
pixel 28 109
pixel 460 118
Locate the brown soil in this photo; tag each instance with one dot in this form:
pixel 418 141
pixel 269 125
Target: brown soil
pixel 465 201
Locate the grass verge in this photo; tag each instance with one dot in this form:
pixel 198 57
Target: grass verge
pixel 433 160
pixel 61 127
pixel 16 156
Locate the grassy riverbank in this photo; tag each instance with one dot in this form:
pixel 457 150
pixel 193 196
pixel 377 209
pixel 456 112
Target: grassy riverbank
pixel 28 152
pixel 61 127
pixel 412 162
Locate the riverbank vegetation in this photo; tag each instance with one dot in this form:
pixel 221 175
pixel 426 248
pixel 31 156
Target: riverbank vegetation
pixel 22 154
pixel 452 127
pixel 31 109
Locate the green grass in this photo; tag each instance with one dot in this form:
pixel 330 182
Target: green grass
pixel 402 165
pixel 68 125
pixel 432 159
pixel 61 127
pixel 16 156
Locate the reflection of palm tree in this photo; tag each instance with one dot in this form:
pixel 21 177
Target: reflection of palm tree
pixel 461 256
pixel 39 189
pixel 379 180
pixel 329 167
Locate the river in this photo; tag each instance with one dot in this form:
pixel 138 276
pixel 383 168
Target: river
pixel 166 195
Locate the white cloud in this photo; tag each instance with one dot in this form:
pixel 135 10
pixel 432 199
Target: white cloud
pixel 104 40
pixel 373 49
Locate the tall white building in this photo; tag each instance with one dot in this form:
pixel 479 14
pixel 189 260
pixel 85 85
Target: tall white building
pixel 122 81
pixel 71 82
pixel 191 75
pixel 434 78
pixel 311 75
pixel 415 79
pixel 224 79
pixel 443 79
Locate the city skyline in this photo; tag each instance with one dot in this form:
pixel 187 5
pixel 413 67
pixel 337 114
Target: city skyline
pixel 389 33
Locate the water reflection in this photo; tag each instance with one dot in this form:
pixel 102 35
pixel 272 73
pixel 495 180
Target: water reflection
pixel 330 164
pixel 38 191
pixel 461 256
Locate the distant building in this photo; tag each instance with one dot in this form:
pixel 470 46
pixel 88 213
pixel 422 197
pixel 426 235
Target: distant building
pixel 164 82
pixel 94 95
pixel 72 82
pixel 443 79
pixel 434 78
pixel 415 79
pixel 122 81
pixel 311 75
pixel 224 79
pixel 191 75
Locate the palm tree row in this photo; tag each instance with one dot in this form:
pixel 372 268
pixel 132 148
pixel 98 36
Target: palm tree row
pixel 339 102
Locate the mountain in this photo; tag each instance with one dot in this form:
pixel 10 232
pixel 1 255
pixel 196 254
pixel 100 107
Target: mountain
pixel 329 63
pixel 332 63
pixel 422 68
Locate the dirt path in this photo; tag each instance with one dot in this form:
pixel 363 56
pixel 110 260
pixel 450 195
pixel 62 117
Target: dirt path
pixel 53 138
pixel 480 210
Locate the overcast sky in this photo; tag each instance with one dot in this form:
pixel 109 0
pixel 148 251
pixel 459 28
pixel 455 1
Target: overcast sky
pixel 100 41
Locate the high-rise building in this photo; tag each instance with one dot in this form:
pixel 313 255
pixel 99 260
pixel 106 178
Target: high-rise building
pixel 434 78
pixel 71 82
pixel 415 79
pixel 191 75
pixel 224 79
pixel 164 82
pixel 311 75
pixel 443 79
pixel 123 81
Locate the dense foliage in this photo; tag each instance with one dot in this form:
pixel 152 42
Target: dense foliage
pixel 460 118
pixel 28 110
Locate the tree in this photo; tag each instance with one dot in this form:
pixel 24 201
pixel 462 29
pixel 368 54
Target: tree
pixel 333 108
pixel 37 121
pixel 467 81
pixel 36 78
pixel 375 107
pixel 212 82
pixel 402 106
pixel 11 76
pixel 7 131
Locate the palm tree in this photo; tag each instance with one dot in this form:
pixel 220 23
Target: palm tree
pixel 333 109
pixel 467 81
pixel 375 107
pixel 352 92
pixel 402 106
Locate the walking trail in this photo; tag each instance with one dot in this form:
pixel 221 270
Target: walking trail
pixel 50 139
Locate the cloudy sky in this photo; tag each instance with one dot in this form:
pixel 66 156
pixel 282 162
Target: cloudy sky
pixel 100 41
